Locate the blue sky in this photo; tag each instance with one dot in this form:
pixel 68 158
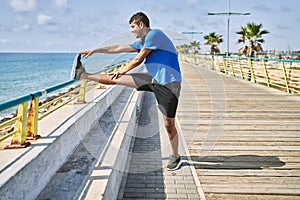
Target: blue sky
pixel 75 25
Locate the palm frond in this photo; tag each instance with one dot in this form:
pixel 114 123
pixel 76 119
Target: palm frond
pixel 260 40
pixel 263 32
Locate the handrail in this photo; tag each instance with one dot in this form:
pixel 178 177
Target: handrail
pixel 16 101
pixel 282 74
pixel 244 57
pixel 265 59
pixel 26 121
pixel 52 89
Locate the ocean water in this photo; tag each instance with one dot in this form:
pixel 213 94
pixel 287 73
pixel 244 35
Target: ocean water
pixel 24 73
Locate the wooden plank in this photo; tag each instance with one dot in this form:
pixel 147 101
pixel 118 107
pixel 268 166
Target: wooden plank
pixel 279 154
pixel 246 165
pixel 240 115
pixel 213 196
pixel 247 148
pixel 272 189
pixel 253 122
pixel 248 172
pixel 246 133
pixel 235 138
pixel 247 143
pixel 283 182
pixel 240 127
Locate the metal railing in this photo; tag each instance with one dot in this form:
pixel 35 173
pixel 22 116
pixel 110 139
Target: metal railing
pixel 24 126
pixel 281 74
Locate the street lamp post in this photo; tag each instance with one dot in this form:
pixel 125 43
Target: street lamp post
pixel 192 32
pixel 228 22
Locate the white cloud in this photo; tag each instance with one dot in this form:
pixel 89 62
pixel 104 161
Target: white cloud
pixel 262 8
pixel 3 26
pixel 43 19
pixel 192 2
pixel 22 28
pixel 23 5
pixel 4 41
pixel 61 3
pixel 285 9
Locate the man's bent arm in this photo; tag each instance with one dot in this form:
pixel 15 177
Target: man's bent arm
pixel 137 60
pixel 133 63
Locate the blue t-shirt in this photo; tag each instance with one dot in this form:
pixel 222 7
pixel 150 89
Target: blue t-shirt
pixel 162 63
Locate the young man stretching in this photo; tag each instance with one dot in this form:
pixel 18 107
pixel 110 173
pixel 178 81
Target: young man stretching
pixel 163 77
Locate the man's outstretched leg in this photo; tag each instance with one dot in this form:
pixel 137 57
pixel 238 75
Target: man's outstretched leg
pixel 125 80
pixel 78 72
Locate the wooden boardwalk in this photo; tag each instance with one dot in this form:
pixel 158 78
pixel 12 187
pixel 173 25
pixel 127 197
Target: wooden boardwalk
pixel 243 138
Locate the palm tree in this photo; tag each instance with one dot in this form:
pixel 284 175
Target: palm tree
pixel 194 46
pixel 252 33
pixel 214 40
pixel 182 48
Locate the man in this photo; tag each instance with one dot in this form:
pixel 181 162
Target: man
pixel 163 77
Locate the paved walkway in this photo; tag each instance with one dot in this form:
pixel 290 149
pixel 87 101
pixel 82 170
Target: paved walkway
pixel 146 176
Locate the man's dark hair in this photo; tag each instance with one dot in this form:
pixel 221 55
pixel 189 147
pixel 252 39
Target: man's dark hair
pixel 140 17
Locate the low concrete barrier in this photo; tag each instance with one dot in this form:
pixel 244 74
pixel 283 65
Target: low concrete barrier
pixel 105 179
pixel 29 171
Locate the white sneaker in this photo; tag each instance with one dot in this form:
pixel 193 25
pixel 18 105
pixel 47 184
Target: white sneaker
pixel 77 68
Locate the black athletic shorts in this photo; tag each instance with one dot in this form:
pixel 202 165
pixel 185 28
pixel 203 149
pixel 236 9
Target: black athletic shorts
pixel 166 95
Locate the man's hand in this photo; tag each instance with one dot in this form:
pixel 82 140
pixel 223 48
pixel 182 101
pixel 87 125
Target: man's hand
pixel 87 53
pixel 116 75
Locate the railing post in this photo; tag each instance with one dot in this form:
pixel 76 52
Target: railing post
pixel 122 66
pixel 101 85
pixel 218 64
pixel 115 70
pixel 224 64
pixel 81 98
pixel 19 137
pixel 213 62
pixel 285 78
pixel 266 73
pixel 185 58
pixel 32 121
pixel 251 71
pixel 241 69
pixel 207 63
pixel 231 66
